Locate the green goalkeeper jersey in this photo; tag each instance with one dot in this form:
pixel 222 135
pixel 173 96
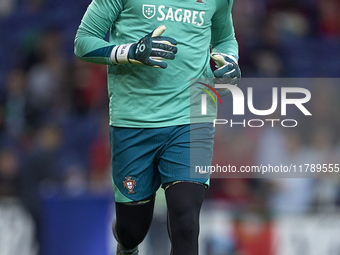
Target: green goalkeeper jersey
pixel 146 97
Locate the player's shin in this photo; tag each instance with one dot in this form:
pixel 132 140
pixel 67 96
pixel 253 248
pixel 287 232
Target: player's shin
pixel 184 201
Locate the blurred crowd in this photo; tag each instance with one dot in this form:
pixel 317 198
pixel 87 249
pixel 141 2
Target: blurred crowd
pixel 54 132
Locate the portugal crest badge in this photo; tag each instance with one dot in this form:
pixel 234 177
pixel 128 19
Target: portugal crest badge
pixel 129 184
pixel 149 10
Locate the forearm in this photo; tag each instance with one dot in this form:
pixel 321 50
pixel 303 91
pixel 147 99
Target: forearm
pixel 227 46
pixel 222 31
pixel 92 49
pixel 89 43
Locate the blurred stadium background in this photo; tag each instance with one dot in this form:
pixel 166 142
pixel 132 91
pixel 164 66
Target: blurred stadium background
pixel 55 186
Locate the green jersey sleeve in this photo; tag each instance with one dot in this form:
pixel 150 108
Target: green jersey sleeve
pixel 89 43
pixel 222 30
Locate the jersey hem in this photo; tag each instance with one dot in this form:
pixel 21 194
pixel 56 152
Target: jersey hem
pixel 164 124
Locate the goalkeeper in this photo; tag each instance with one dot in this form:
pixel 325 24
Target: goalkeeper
pixel 154 49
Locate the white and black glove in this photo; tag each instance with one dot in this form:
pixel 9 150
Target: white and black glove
pixel 228 71
pixel 150 50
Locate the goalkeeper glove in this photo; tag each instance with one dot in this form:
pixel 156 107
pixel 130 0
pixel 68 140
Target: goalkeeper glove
pixel 228 71
pixel 148 51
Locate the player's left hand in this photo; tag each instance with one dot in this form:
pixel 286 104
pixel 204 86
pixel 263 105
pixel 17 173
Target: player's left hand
pixel 228 71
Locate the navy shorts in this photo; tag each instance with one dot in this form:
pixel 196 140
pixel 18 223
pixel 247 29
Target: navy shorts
pixel 145 158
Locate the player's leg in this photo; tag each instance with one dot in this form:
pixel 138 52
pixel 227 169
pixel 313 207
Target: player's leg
pixel 189 146
pixel 135 181
pixel 184 201
pixel 132 223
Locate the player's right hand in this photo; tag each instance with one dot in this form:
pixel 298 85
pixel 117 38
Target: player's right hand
pixel 150 50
